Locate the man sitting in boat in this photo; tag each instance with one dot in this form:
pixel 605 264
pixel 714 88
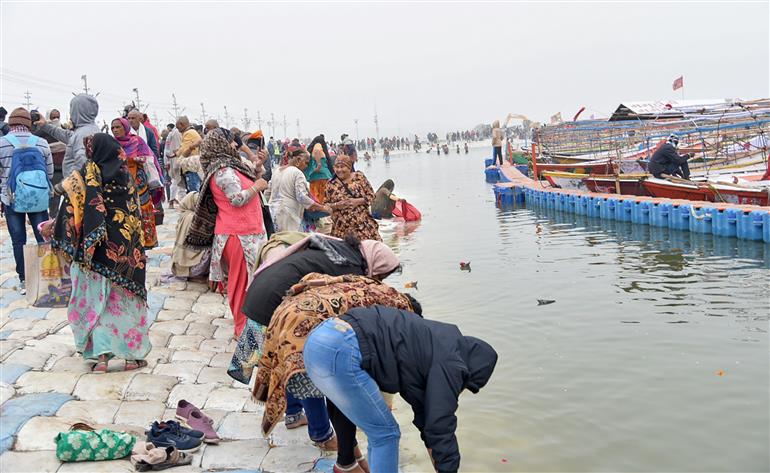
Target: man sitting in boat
pixel 666 162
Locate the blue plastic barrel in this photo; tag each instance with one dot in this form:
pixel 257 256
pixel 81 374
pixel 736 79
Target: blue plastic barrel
pixel 519 195
pixel 581 204
pixel 640 213
pixel 593 209
pixel 766 227
pixel 550 200
pixel 523 168
pixel 702 219
pixel 679 217
pixel 492 175
pixel 571 203
pixel 623 210
pixel 607 208
pixel 749 225
pixel 725 222
pixel 660 213
pixel 488 162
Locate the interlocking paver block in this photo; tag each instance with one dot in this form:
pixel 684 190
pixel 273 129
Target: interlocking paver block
pixel 29 313
pixel 29 462
pixel 38 433
pixel 204 330
pixel 46 382
pixel 221 360
pixel 289 459
pixel 197 394
pixel 95 386
pixel 10 372
pixel 177 303
pixel 228 399
pixel 92 412
pixel 150 387
pixel 216 309
pixel 236 454
pixel 185 342
pixel 210 374
pixel 192 355
pixel 187 372
pixel 166 315
pixel 114 466
pixel 240 426
pixel 32 358
pixel 140 413
pixel 174 327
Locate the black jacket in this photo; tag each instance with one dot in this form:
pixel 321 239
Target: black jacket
pixel 323 255
pixel 663 158
pixel 429 363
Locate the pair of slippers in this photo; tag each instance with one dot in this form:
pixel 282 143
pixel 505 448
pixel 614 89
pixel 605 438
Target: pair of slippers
pixel 147 457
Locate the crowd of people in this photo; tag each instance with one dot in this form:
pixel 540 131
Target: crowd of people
pixel 284 230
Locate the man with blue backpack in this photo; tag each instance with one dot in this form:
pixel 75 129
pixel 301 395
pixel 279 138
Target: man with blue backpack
pixel 26 169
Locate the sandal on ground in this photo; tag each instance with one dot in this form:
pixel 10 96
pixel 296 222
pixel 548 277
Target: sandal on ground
pixel 132 365
pixel 361 459
pixel 354 468
pixel 173 458
pixel 329 445
pixel 101 365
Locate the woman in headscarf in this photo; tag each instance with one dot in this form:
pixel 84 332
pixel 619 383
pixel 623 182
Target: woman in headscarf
pixel 349 195
pixel 384 201
pixel 290 195
pixel 187 262
pixel 319 170
pixel 228 219
pixel 99 227
pixel 314 299
pixel 137 154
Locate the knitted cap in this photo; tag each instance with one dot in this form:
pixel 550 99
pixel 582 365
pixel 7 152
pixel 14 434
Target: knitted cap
pixel 20 116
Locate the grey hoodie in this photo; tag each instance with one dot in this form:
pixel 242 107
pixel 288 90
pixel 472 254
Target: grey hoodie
pixel 83 111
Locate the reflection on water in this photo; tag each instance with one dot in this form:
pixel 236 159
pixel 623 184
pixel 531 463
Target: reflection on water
pixel 622 372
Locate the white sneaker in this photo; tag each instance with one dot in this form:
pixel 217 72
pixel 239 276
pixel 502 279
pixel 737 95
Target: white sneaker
pixel 22 288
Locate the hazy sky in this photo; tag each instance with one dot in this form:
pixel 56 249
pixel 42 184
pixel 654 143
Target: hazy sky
pixel 424 66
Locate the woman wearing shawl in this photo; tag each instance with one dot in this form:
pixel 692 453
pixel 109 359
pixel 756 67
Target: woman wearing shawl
pixel 289 194
pixel 314 299
pixel 186 262
pixel 228 219
pixel 349 194
pixel 99 228
pixel 319 171
pixel 137 154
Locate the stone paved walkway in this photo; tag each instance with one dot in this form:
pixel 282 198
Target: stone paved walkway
pixel 45 387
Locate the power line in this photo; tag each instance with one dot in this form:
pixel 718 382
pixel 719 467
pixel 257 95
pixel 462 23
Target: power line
pixel 259 120
pixel 227 118
pixel 85 83
pixel 246 119
pixel 203 114
pixel 28 96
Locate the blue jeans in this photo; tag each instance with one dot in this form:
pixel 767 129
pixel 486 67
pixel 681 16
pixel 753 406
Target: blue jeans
pixel 192 181
pixel 333 361
pixel 318 427
pixel 17 228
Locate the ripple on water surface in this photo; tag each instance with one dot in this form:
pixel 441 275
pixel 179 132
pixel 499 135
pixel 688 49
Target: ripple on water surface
pixel 622 372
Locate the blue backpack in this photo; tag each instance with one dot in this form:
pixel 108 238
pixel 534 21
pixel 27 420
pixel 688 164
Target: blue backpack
pixel 28 181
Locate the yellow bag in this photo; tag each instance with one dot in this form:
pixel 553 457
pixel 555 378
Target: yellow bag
pixel 48 279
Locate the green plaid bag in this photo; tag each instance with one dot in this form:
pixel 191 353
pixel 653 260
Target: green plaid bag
pixel 83 443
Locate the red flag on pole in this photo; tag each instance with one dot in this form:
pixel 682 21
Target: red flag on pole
pixel 679 83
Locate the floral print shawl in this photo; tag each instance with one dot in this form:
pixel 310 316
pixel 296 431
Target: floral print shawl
pixel 99 224
pixel 315 298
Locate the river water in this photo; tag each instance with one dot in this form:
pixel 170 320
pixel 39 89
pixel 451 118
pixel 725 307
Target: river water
pixel 653 357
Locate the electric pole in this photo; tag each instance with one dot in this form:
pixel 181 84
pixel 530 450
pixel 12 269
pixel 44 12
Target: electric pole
pixel 272 123
pixel 85 83
pixel 246 119
pixel 227 119
pixel 176 107
pixel 284 127
pixel 299 134
pixel 259 120
pixel 138 102
pixel 376 124
pixel 355 120
pixel 203 114
pixel 155 118
pixel 28 96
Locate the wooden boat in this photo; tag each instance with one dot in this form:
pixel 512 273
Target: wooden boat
pixel 565 180
pixel 593 167
pixel 706 191
pixel 628 184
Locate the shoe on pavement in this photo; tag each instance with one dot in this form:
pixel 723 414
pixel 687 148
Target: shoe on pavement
pixel 165 435
pixel 298 422
pixel 22 288
pixel 204 424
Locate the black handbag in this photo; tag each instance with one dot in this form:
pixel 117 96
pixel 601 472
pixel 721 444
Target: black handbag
pixel 267 219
